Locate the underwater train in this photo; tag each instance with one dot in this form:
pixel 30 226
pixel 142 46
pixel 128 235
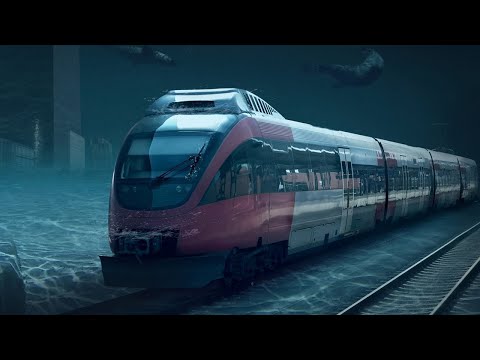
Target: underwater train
pixel 217 184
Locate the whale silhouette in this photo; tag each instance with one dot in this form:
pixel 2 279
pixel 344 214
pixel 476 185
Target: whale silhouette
pixel 363 74
pixel 144 54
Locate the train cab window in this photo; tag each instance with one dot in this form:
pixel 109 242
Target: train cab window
pixel 137 163
pixel 136 166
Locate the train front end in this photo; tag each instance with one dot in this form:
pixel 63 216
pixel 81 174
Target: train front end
pixel 161 172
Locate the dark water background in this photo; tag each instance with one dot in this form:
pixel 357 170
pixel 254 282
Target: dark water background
pixel 427 95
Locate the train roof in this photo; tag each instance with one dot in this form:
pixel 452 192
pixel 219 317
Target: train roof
pixel 213 101
pixel 235 101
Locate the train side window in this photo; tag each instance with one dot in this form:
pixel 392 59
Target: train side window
pixel 325 163
pixel 331 160
pixel 364 178
pixel 283 158
pixel 265 174
pixel 242 173
pixel 259 154
pixel 242 179
pixel 301 161
pixel 318 166
pixel 392 179
pixel 220 187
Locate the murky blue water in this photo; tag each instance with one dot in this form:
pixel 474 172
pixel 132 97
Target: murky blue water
pixel 60 227
pixel 330 282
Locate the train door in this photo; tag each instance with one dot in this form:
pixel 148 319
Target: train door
pixel 404 192
pixel 250 207
pixel 348 193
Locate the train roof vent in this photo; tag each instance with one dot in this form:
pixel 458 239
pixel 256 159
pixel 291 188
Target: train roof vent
pixel 195 104
pixel 260 107
pixel 222 100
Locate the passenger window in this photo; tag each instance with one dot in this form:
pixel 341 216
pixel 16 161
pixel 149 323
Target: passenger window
pixel 283 158
pixel 242 174
pixel 325 163
pixel 392 179
pixel 261 158
pixel 220 187
pixel 242 179
pixel 301 161
pixel 249 169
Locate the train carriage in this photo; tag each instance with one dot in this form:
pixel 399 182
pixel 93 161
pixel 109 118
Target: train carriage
pixel 218 184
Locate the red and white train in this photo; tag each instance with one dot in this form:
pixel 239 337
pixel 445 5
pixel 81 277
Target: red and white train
pixel 217 184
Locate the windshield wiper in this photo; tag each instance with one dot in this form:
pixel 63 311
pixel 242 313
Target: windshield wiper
pixel 196 159
pixel 175 169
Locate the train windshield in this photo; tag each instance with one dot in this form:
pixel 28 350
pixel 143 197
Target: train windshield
pixel 167 156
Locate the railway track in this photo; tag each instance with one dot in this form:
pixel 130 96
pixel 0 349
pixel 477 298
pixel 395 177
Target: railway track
pixel 468 302
pixel 429 286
